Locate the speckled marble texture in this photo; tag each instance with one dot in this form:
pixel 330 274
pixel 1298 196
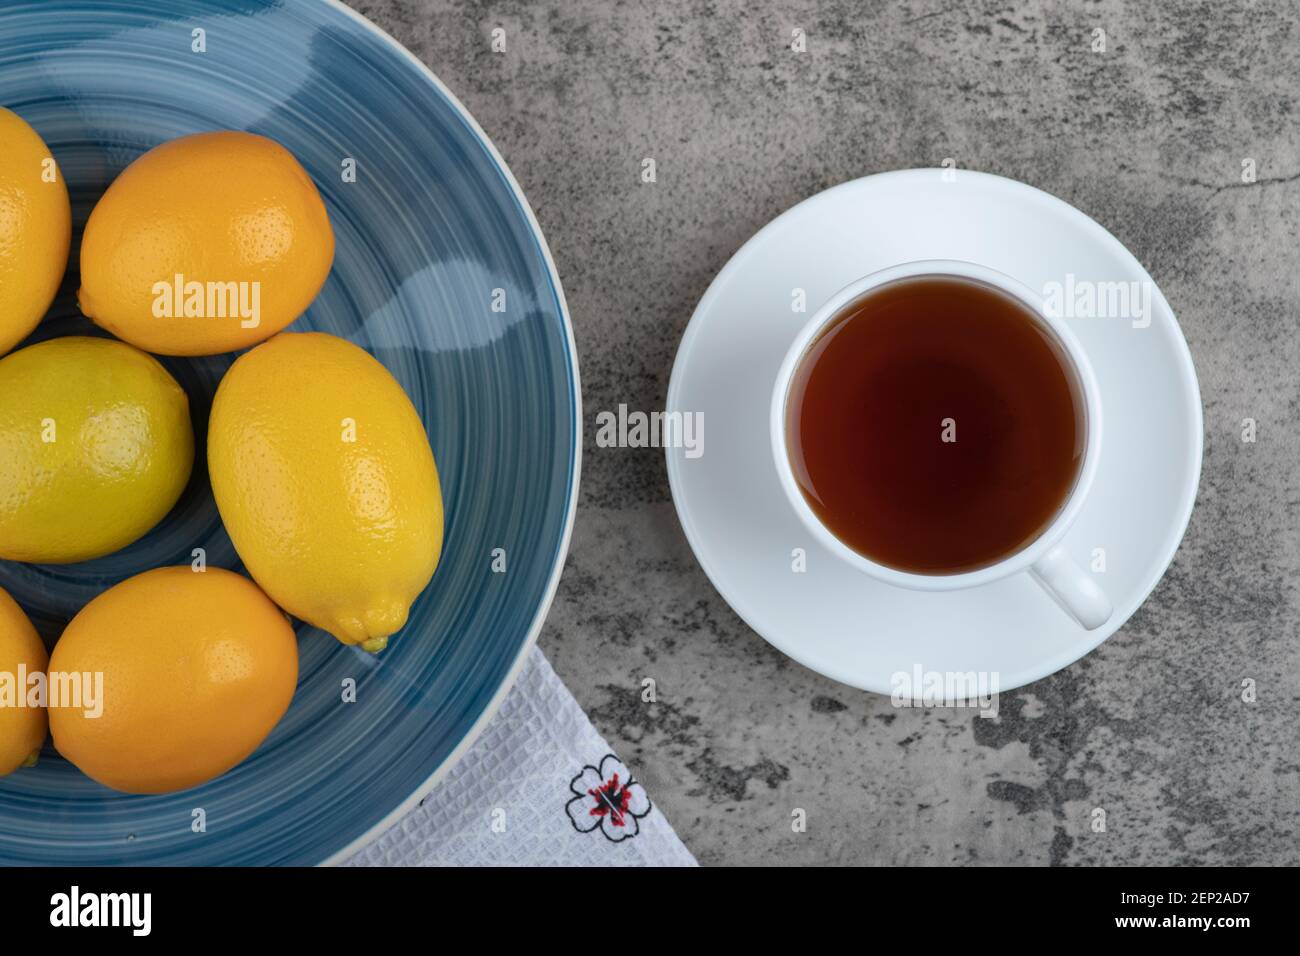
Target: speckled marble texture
pixel 1148 138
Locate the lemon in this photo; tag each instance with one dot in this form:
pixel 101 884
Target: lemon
pixel 325 480
pixel 95 448
pixel 35 229
pixel 22 728
pixel 198 667
pixel 205 244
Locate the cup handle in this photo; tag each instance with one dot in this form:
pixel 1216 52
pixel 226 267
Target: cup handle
pixel 1073 588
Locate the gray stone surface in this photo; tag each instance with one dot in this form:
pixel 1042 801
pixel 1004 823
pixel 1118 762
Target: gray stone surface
pixel 1149 139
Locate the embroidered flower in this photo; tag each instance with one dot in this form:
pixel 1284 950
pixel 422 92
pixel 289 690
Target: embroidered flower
pixel 607 797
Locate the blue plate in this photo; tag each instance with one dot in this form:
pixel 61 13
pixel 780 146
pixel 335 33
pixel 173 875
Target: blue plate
pixel 432 226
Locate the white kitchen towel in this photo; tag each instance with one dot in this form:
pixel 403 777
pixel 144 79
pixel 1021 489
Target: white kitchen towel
pixel 540 787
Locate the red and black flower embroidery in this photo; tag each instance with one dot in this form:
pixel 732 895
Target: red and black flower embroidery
pixel 607 797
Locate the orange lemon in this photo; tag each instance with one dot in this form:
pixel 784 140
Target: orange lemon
pixel 197 667
pixel 22 728
pixel 205 244
pixel 35 229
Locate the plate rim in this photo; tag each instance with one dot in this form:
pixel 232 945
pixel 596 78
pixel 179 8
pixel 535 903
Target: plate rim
pixel 1187 369
pixel 575 427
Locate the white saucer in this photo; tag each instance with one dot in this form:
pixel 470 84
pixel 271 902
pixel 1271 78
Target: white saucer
pixel 832 618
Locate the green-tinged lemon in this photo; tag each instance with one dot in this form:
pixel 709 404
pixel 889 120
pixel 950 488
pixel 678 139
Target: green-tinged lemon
pixel 95 447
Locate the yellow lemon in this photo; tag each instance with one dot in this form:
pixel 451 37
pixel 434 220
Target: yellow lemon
pixel 95 448
pixel 22 728
pixel 205 244
pixel 325 480
pixel 35 229
pixel 197 667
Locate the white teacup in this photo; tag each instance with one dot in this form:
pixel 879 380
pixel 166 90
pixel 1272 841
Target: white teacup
pixel 1043 558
